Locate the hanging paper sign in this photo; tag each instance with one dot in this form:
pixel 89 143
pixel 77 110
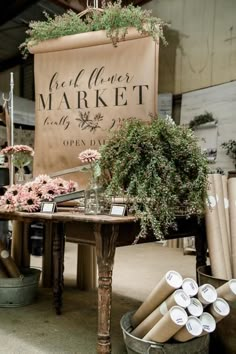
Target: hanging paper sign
pixel 84 88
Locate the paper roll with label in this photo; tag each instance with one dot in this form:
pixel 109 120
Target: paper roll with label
pixel 178 297
pixel 195 307
pixel 192 329
pixel 219 309
pixel 207 294
pixel 227 291
pixel 169 283
pixel 190 286
pixel 168 325
pixel 8 262
pixel 208 323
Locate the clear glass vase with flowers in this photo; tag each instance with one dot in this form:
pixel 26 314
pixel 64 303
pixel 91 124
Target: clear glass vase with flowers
pixel 21 156
pixel 93 193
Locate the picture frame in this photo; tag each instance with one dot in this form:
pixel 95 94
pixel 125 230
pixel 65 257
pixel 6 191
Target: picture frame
pixel 48 207
pixel 118 210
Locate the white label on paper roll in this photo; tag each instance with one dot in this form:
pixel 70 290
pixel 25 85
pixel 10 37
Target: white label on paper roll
pixel 178 315
pixel 208 322
pixel 221 307
pixel 194 326
pixel 190 286
pixel 211 201
pixel 195 308
pixel 207 293
pixel 226 203
pixel 174 279
pixel 181 298
pixel 232 285
pixel 163 308
pixel 4 254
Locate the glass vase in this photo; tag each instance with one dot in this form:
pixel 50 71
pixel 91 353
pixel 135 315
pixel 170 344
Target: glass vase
pixel 20 176
pixel 93 199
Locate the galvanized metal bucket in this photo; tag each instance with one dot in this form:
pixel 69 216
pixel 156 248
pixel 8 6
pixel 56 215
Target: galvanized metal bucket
pixel 136 345
pixel 223 339
pixel 16 292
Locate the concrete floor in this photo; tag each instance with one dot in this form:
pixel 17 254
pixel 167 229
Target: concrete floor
pixel 36 328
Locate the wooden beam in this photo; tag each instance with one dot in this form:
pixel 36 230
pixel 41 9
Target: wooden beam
pixel 11 8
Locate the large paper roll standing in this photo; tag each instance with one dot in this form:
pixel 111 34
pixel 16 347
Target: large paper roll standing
pixel 222 222
pixel 214 239
pixel 178 297
pixel 232 218
pixel 170 282
pixel 8 262
pixel 226 205
pixel 168 325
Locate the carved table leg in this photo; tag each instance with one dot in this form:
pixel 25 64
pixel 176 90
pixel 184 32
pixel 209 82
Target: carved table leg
pixel 105 236
pixel 58 264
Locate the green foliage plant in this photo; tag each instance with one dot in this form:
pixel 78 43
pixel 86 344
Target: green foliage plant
pixel 230 147
pixel 113 18
pixel 159 168
pixel 201 119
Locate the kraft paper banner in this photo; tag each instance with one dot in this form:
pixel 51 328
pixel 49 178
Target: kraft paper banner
pixel 232 217
pixel 214 239
pixel 222 221
pixel 226 204
pixel 169 324
pixel 178 297
pixel 193 328
pixel 84 91
pixel 170 282
pixel 227 291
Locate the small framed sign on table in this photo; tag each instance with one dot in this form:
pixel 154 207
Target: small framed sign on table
pixel 48 207
pixel 118 210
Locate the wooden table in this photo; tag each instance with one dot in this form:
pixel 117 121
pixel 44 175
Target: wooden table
pixel 105 233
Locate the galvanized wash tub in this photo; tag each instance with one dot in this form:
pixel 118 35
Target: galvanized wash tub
pixel 136 345
pixel 223 339
pixel 16 292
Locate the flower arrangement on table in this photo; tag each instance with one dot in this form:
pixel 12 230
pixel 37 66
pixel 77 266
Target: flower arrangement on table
pixel 92 193
pixel 21 156
pixel 28 197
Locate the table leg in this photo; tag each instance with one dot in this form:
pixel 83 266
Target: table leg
pixel 105 236
pixel 58 264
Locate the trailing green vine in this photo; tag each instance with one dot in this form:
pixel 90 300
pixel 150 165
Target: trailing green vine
pixel 159 168
pixel 114 19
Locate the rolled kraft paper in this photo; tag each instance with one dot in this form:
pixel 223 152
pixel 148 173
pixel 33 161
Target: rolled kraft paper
pixel 179 297
pixel 80 40
pixel 232 218
pixel 226 205
pixel 219 309
pixel 213 233
pixel 8 262
pixel 170 282
pixel 193 328
pixel 207 294
pixel 168 325
pixel 190 287
pixel 227 291
pixel 222 221
pixel 208 323
pixel 195 307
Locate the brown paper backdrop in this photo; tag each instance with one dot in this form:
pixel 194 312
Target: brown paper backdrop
pixel 82 94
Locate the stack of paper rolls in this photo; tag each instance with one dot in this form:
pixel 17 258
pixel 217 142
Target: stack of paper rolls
pixel 170 282
pixel 178 297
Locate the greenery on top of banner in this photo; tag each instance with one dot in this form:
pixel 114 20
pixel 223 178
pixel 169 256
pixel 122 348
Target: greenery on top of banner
pixel 113 18
pixel 159 168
